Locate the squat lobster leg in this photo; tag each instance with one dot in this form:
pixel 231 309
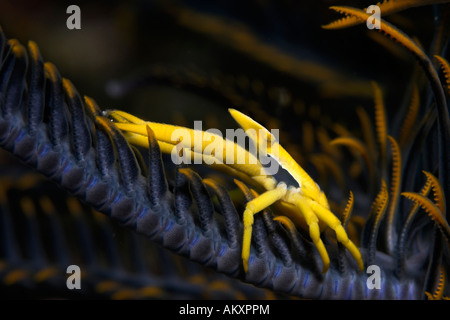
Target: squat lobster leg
pixel 313 224
pixel 334 223
pixel 254 206
pixel 313 212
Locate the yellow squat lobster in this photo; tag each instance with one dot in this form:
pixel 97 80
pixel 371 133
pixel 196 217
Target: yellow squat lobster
pixel 304 206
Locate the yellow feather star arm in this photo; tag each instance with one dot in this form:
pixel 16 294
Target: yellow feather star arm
pixel 432 210
pixel 429 295
pixel 439 291
pixel 396 178
pixel 410 117
pixel 348 210
pixel 285 221
pixel 391 47
pixel 387 28
pixel 378 209
pixel 359 147
pixel 412 213
pixel 367 131
pixel 324 140
pixel 438 193
pixel 445 66
pixel 441 285
pixel 380 120
pixel 240 38
pixel 330 164
pixel 386 8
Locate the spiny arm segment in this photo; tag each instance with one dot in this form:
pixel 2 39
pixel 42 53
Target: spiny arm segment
pixel 436 209
pixel 386 8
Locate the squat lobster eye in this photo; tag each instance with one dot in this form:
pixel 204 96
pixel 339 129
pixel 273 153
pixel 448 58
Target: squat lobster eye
pixel 308 205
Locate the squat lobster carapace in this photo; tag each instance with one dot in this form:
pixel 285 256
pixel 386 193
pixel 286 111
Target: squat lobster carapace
pixel 308 204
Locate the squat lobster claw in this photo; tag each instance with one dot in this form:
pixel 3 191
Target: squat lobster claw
pixel 310 201
pixel 305 206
